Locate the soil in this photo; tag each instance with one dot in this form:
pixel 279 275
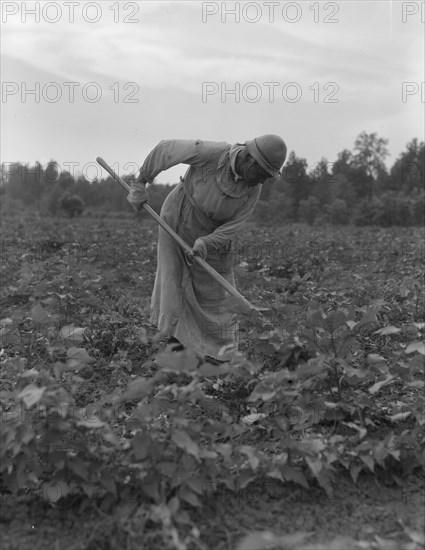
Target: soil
pixel 377 515
pixel 374 513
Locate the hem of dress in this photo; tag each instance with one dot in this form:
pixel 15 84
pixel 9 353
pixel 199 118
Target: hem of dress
pixel 160 322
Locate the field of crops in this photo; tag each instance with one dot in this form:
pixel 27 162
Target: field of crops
pixel 312 438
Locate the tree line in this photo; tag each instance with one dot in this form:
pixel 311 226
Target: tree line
pixel 357 188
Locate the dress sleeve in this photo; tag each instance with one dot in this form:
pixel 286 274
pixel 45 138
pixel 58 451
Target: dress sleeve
pixel 170 152
pixel 228 230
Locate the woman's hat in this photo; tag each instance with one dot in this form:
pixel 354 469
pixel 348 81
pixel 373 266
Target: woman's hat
pixel 269 151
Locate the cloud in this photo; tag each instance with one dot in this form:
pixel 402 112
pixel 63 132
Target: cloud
pixel 170 47
pixel 170 52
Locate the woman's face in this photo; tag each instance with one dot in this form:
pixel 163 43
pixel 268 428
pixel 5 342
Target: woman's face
pixel 249 169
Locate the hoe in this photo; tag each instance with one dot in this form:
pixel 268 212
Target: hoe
pixel 245 306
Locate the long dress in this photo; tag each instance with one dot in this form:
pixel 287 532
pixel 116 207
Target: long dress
pixel 187 302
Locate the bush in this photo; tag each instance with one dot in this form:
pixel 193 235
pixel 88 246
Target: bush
pixel 391 209
pixel 10 205
pixel 368 212
pixel 418 208
pixel 308 210
pixel 276 212
pixel 337 212
pixel 51 203
pixel 71 205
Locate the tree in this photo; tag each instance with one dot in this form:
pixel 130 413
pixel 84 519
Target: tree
pixel 344 189
pixel 370 154
pixel 50 174
pixel 356 188
pixel 325 186
pixel 408 172
pixel 356 174
pixel 295 182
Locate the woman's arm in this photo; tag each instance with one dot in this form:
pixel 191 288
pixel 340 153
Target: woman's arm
pixel 228 230
pixel 168 153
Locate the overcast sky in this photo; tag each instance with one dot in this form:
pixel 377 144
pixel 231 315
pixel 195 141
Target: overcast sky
pixel 316 73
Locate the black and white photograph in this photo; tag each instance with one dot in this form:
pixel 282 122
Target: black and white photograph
pixel 212 328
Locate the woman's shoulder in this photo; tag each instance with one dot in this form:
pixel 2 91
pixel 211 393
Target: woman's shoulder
pixel 212 148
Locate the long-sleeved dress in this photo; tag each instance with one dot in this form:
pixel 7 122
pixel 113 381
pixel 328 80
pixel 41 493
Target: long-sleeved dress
pixel 187 302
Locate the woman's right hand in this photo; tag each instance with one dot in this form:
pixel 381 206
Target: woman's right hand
pixel 138 195
pixel 199 249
